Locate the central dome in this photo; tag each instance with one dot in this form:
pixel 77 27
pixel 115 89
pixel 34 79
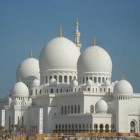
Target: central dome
pixel 94 59
pixel 59 54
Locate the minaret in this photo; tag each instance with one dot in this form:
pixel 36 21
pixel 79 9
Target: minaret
pixel 77 35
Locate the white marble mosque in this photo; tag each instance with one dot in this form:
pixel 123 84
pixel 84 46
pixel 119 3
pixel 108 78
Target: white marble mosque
pixel 70 91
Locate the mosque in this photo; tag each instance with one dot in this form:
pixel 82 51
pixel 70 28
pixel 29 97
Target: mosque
pixel 69 91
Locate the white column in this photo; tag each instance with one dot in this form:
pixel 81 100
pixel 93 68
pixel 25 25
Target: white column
pixel 40 121
pixel 3 118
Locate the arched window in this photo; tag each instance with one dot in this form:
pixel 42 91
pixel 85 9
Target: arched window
pixel 22 120
pixel 86 78
pixel 66 127
pixel 103 79
pixel 31 92
pixel 99 79
pixel 36 91
pixel 50 77
pixel 70 78
pixel 92 109
pixel 76 126
pixel 55 77
pixel 51 90
pixel 79 126
pixel 40 91
pixel 75 108
pixel 59 127
pixel 65 79
pixel 95 127
pixel 56 127
pixel 72 126
pixel 46 81
pixel 65 110
pixel 107 127
pixel 62 127
pixel 96 89
pixel 90 78
pixel 78 108
pixel 68 109
pixel 69 127
pixel 132 127
pixel 95 79
pixel 71 109
pixel 83 127
pixel 60 78
pixel 101 127
pixel 87 128
pixel 62 110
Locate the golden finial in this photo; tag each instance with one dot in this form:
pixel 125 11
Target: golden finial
pixel 94 43
pixel 60 31
pixel 31 54
pixel 77 22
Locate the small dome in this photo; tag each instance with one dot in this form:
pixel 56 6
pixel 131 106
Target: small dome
pixel 107 83
pixel 60 53
pixel 101 107
pixel 35 83
pixel 53 81
pixel 74 83
pixel 123 87
pixel 20 90
pixel 28 69
pixel 89 82
pixel 94 59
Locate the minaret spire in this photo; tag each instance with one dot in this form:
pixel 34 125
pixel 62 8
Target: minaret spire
pixel 77 35
pixel 31 54
pixel 60 31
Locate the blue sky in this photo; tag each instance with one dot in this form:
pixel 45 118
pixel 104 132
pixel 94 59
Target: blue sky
pixel 29 24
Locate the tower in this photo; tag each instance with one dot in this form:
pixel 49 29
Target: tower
pixel 77 35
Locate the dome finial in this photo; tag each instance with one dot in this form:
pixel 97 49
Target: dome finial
pixel 60 31
pixel 77 22
pixel 94 43
pixel 31 54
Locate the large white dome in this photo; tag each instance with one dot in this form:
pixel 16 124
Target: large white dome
pixel 20 90
pixel 29 68
pixel 59 54
pixel 94 60
pixel 123 87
